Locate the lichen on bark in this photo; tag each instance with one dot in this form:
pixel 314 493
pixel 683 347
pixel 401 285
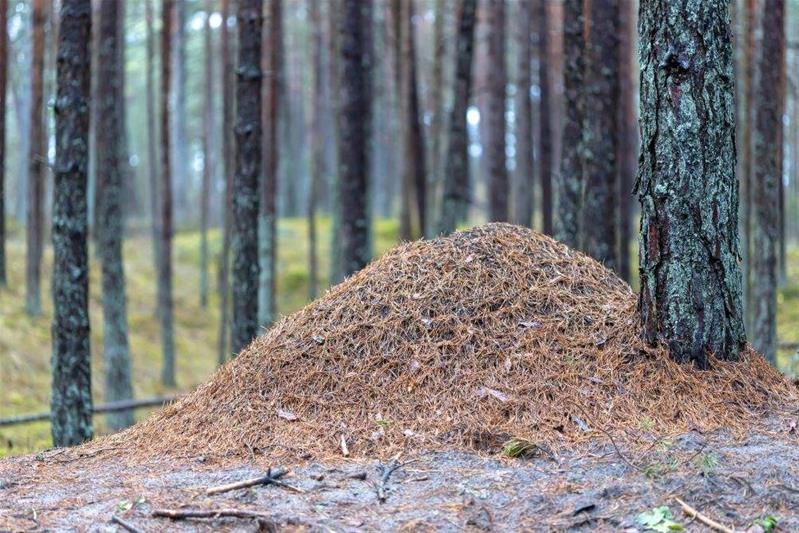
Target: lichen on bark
pixel 690 276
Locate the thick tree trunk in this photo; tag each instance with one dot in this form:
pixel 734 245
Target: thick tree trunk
pixel 627 153
pixel 333 20
pixel 208 156
pixel 317 150
pixel 111 226
pixel 572 179
pixel 495 116
pixel 745 147
pixel 437 124
pixel 767 177
pixel 524 177
pixel 3 79
pixel 223 345
pixel 165 314
pixel 267 218
pixel 354 121
pixel 152 153
pixel 37 161
pixel 690 278
pixel 71 396
pixel 248 166
pixel 547 148
pixel 601 135
pixel 455 203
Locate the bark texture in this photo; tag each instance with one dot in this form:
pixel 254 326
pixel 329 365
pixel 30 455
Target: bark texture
pixel 3 79
pixel 354 120
pixel 495 116
pixel 165 304
pixel 571 181
pixel 110 216
pixel 455 203
pixel 248 166
pixel 601 135
pixel 524 177
pixel 767 177
pixel 71 395
pixel 690 295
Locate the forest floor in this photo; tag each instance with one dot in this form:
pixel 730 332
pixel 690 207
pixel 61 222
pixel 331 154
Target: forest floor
pixel 745 484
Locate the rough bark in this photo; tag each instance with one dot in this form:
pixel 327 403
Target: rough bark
pixel 245 184
pixel 110 216
pixel 690 295
pixel 571 180
pixel 455 202
pixel 547 140
pixel 267 217
pixel 223 345
pixel 628 131
pixel 767 176
pixel 495 113
pixel 208 153
pixel 524 177
pixel 71 396
pixel 37 161
pixel 316 147
pixel 601 135
pixel 165 312
pixel 355 42
pixel 3 79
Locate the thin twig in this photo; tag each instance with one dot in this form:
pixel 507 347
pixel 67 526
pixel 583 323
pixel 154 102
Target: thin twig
pixel 709 522
pixel 180 514
pixel 125 525
pixel 380 488
pixel 272 476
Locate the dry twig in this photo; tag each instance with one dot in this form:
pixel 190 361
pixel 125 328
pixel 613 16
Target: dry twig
pixel 709 522
pixel 272 477
pixel 125 525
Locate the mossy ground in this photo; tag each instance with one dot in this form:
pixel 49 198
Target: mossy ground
pixel 25 341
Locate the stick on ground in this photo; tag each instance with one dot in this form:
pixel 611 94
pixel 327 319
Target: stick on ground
pixel 272 476
pixel 182 514
pixel 709 522
pixel 125 525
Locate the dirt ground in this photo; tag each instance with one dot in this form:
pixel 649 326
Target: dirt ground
pixel 596 487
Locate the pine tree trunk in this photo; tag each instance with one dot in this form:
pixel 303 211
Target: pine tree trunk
pixel 402 122
pixel 690 295
pixel 180 153
pixel 572 172
pixel 746 150
pixel 354 121
pixel 436 156
pixel 415 157
pixel 71 396
pixel 3 79
pixel 627 153
pixel 547 148
pixel 271 122
pixel 767 176
pixel 223 345
pixel 37 161
pixel 455 203
pixel 524 177
pixel 317 151
pixel 495 116
pixel 333 20
pixel 152 153
pixel 165 314
pixel 601 135
pixel 248 166
pixel 111 227
pixel 208 167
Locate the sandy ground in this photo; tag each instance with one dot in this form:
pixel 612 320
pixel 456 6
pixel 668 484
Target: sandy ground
pixel 594 488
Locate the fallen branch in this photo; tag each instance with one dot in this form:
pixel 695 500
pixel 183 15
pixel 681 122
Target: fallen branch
pixel 380 487
pixel 181 514
pixel 709 522
pixel 272 477
pixel 125 525
pixel 110 407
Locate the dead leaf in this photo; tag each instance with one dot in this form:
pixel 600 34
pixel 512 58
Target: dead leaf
pixel 287 415
pixel 485 391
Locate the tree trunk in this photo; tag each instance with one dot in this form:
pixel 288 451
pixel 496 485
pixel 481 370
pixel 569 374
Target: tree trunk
pixel 355 42
pixel 572 172
pixel 71 396
pixel 455 204
pixel 767 175
pixel 111 226
pixel 495 116
pixel 524 176
pixel 336 256
pixel 437 124
pixel 599 210
pixel 3 79
pixel 180 153
pixel 267 218
pixel 317 152
pixel 208 168
pixel 690 295
pixel 547 148
pixel 165 204
pixel 223 345
pixel 37 160
pixel 248 166
pixel 152 153
pixel 746 154
pixel 627 153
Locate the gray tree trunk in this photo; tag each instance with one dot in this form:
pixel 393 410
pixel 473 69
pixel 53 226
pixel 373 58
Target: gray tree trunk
pixel 71 396
pixel 316 147
pixel 547 140
pixel 690 295
pixel 3 79
pixel 208 154
pixel 524 181
pixel 495 116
